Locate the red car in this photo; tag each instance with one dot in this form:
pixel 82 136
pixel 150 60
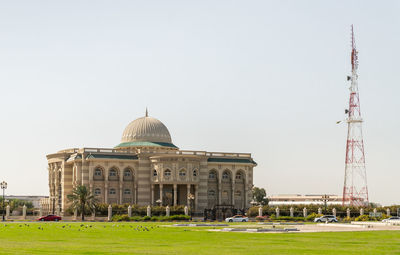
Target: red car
pixel 50 217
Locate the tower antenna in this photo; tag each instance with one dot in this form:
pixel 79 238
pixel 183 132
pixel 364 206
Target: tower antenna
pixel 355 189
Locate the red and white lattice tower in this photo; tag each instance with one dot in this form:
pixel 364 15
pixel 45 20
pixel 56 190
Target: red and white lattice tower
pixel 355 190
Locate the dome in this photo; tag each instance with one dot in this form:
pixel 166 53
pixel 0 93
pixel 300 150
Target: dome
pixel 146 131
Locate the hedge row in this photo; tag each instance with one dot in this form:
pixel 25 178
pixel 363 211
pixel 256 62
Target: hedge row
pixel 125 217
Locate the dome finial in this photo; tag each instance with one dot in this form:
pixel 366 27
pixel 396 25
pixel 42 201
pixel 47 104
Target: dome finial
pixel 147 113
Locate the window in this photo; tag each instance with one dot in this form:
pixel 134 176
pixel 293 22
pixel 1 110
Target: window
pixel 154 172
pixel 112 192
pixel 167 173
pixel 127 173
pixel 194 172
pixel 211 193
pixel 97 191
pixel 225 193
pixel 225 176
pixel 182 173
pixel 238 176
pixel 211 175
pixel 127 191
pixel 238 193
pixel 97 172
pixel 113 172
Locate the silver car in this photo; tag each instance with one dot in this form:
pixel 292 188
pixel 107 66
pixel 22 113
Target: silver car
pixel 326 218
pixel 394 218
pixel 237 218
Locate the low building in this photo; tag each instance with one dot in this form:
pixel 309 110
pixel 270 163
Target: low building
pixel 146 168
pixel 297 199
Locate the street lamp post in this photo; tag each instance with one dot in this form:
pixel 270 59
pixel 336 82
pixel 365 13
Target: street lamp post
pixel 191 198
pixel 3 186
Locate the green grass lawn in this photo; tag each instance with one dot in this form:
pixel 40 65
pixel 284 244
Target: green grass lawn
pixel 113 238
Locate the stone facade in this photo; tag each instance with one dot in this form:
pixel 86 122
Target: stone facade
pixel 146 170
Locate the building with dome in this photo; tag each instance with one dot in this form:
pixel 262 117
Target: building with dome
pixel 146 168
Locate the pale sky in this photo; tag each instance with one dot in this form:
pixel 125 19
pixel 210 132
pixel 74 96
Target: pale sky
pixel 265 77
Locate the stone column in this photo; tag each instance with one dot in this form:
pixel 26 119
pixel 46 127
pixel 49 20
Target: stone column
pixel 75 214
pixel 361 211
pixel 334 212
pixel 388 212
pixel 161 194
pixel 8 212
pixel 233 191
pixel 120 192
pixel 219 193
pixel 148 211
pixel 187 194
pixel 106 192
pixel 186 210
pixel 152 194
pixel 109 212
pixel 24 212
pixel 260 211
pixel 58 210
pixel 167 211
pixel 291 212
pixel 175 194
pixel 196 196
pixel 305 212
pixel 277 212
pixel 129 211
pixel 135 195
pixel 375 211
pixel 348 212
pixel 40 211
pixel 319 210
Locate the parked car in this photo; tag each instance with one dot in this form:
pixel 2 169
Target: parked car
pixel 326 218
pixel 391 218
pixel 237 218
pixel 50 217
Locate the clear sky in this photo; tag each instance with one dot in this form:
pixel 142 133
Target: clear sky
pixel 266 77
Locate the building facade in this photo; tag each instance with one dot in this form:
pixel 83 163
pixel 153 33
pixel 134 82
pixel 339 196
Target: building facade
pixel 146 168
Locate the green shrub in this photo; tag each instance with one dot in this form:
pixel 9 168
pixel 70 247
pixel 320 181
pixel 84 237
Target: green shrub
pixel 146 218
pixel 253 211
pixel 362 218
pixel 135 218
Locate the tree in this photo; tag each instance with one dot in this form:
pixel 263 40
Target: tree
pixel 260 195
pixel 82 199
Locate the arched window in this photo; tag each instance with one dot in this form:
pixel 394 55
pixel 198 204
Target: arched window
pixel 167 173
pixel 112 192
pixel 97 172
pixel 127 191
pixel 97 191
pixel 211 193
pixel 182 173
pixel 211 175
pixel 113 172
pixel 194 172
pixel 127 173
pixel 225 176
pixel 154 172
pixel 238 176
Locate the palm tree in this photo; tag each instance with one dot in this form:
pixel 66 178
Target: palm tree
pixel 81 198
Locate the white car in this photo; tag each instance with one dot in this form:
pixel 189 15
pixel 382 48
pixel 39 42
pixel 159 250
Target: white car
pixel 237 218
pixel 391 218
pixel 326 218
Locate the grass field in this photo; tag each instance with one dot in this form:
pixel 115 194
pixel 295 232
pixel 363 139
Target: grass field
pixel 132 238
